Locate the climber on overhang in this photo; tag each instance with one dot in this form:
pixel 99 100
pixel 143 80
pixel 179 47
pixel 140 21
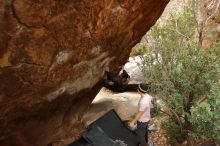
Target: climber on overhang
pixel 115 82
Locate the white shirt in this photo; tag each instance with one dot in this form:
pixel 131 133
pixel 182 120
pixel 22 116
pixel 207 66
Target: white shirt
pixel 144 105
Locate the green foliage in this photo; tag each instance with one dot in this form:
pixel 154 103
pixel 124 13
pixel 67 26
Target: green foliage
pixel 174 127
pixel 184 76
pixel 206 117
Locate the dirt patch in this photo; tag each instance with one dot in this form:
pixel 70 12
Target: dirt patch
pixel 160 137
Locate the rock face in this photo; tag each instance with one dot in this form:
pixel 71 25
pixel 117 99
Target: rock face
pixel 208 13
pixel 52 56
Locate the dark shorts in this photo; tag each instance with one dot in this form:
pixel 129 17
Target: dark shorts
pixel 142 133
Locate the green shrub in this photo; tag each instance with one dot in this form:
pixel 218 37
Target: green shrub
pixel 184 76
pixel 205 117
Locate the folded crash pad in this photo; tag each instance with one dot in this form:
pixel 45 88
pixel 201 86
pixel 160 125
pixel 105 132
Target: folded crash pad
pixel 108 130
pixel 98 137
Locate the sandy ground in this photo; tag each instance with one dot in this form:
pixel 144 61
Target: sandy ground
pixel 125 104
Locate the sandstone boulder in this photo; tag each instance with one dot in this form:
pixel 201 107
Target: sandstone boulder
pixel 52 57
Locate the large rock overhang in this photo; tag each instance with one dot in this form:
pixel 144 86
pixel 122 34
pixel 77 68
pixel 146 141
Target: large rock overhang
pixel 52 57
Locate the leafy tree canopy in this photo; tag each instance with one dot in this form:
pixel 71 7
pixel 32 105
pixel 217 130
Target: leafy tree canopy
pixel 184 77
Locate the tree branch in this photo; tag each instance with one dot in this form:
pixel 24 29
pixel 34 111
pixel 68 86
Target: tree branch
pixel 213 14
pixel 174 113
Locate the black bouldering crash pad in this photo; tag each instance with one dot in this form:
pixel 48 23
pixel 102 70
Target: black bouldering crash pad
pixel 108 130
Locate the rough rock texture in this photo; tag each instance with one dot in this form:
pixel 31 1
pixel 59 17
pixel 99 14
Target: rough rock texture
pixel 52 57
pixel 208 20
